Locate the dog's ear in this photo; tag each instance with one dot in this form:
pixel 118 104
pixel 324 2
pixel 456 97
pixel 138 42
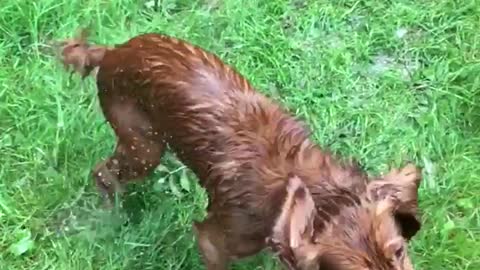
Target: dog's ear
pixel 294 225
pixel 401 188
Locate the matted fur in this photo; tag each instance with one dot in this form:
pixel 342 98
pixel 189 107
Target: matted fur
pixel 269 184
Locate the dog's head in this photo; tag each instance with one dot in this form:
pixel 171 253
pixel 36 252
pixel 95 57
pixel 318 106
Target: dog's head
pixel 78 54
pixel 371 234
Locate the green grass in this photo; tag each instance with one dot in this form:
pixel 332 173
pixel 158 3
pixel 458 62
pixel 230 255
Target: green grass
pixel 383 81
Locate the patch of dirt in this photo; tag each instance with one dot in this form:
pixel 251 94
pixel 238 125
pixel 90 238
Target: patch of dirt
pixel 382 63
pixel 299 4
pixel 356 22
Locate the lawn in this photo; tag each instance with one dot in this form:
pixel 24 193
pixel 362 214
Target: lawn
pixel 382 81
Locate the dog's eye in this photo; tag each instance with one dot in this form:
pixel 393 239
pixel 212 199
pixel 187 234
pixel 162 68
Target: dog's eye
pixel 399 253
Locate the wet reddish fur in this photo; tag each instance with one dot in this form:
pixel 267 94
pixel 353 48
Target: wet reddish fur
pixel 244 148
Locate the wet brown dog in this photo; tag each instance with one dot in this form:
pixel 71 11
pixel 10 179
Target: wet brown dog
pixel 269 184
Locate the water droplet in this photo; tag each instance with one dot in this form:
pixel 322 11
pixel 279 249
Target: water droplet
pixel 401 32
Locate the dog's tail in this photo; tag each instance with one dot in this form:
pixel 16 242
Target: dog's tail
pixel 78 54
